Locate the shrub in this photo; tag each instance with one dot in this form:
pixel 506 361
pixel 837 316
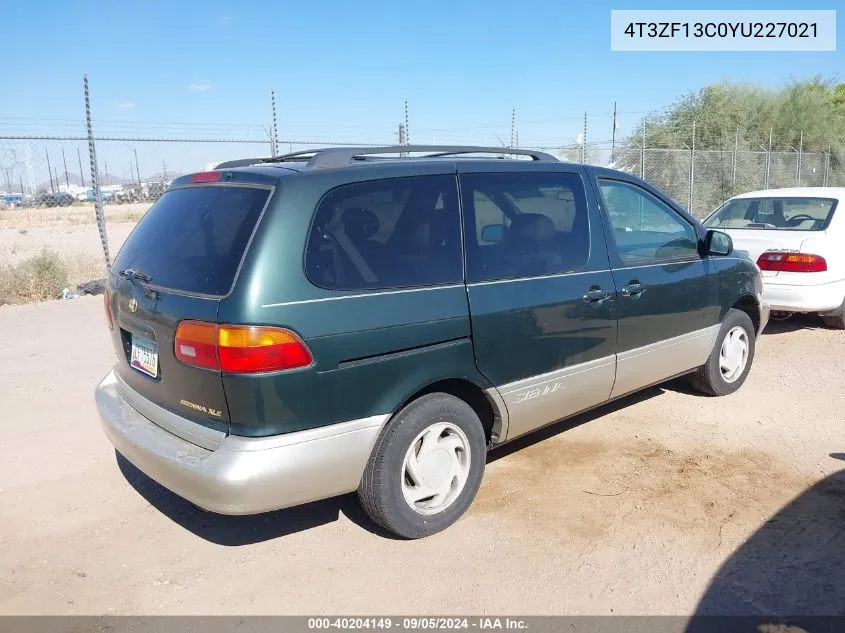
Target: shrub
pixel 38 278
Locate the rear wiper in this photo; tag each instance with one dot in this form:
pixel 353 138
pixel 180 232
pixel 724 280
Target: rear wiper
pixel 135 274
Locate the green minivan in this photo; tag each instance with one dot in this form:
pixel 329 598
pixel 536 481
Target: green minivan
pixel 376 319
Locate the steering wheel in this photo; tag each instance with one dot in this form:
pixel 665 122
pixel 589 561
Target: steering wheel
pixel 797 219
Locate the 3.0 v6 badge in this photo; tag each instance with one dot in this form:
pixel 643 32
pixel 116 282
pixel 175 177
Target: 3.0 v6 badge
pixel 198 407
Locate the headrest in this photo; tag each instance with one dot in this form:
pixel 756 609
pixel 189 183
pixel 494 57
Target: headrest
pixel 534 227
pixel 359 223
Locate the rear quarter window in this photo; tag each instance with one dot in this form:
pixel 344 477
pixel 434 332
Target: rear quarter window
pixel 193 239
pixel 394 233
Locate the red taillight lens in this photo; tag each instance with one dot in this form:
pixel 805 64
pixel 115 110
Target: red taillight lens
pixel 207 176
pixel 240 349
pixel 251 349
pixel 107 306
pixel 791 262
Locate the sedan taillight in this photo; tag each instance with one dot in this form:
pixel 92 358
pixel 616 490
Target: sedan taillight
pixel 779 261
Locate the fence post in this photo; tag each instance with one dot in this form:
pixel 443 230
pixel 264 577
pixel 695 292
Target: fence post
pixel 827 163
pixel 800 151
pixel 736 153
pixel 642 152
pixel 513 125
pixel 691 168
pixel 95 177
pixel 274 135
pixel 769 158
pixel 584 141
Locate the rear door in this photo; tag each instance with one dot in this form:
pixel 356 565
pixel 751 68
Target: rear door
pixel 177 264
pixel 541 295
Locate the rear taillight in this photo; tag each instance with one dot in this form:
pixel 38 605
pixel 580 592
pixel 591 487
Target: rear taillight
pixel 779 261
pixel 240 349
pixel 106 305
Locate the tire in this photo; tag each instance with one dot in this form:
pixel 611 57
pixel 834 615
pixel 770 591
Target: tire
pixel 710 379
pixel 837 319
pixel 392 470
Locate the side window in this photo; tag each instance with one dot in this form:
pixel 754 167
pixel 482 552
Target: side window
pixel 394 233
pixel 646 229
pixel 524 224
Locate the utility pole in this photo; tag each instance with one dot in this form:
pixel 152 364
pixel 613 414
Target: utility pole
pixel 137 167
pixel 800 151
pixel 67 178
pixel 81 174
pixel 106 174
pixel 163 171
pixel 613 134
pixel 49 170
pixel 20 179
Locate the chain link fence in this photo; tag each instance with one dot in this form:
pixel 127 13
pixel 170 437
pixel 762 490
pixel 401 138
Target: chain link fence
pixel 53 237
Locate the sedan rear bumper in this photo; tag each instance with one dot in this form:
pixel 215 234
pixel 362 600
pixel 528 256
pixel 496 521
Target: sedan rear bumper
pixel 793 298
pixel 243 475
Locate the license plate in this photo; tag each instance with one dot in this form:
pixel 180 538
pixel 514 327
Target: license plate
pixel 144 356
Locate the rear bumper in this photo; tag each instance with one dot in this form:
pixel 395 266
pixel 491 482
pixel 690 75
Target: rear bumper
pixel 243 475
pixel 792 298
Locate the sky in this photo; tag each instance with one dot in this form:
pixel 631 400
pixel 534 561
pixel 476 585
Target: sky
pixel 341 69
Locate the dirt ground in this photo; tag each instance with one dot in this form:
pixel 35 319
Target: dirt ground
pixel 70 232
pixel 663 503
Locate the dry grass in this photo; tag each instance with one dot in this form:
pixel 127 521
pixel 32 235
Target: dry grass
pixel 61 217
pixel 35 279
pixel 44 276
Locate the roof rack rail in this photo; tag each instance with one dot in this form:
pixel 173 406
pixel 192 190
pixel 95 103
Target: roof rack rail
pixel 339 156
pixel 301 155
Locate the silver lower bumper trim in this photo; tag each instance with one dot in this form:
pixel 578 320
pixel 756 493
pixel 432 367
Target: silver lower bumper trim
pixel 243 475
pixel 765 312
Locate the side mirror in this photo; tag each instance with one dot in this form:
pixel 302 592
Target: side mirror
pixel 718 243
pixel 493 233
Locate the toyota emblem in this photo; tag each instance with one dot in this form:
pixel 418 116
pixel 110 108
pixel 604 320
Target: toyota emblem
pixel 133 304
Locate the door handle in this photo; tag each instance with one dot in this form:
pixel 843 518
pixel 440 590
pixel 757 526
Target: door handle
pixel 596 295
pixel 632 290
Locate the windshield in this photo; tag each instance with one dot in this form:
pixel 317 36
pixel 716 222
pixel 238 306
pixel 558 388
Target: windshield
pixel 193 239
pixel 786 214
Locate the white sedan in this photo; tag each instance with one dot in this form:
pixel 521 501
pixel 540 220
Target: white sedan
pixel 797 238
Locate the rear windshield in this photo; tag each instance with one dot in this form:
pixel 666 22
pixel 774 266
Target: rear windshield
pixel 786 214
pixel 193 239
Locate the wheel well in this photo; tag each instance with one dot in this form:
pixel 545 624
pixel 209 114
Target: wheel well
pixel 470 393
pixel 749 305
